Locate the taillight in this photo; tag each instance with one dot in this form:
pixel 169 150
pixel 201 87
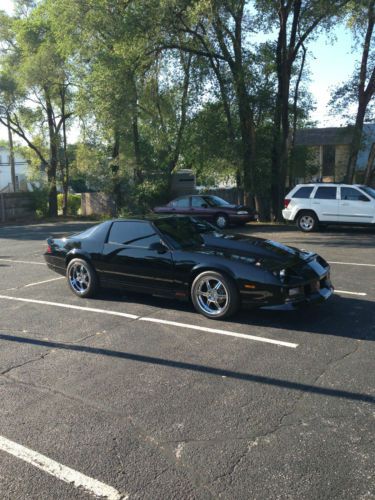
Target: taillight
pixel 286 203
pixel 49 249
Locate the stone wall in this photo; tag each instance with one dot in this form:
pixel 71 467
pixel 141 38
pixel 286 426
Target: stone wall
pixel 97 204
pixel 16 206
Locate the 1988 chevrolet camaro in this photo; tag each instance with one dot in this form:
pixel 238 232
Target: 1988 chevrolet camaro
pixel 183 257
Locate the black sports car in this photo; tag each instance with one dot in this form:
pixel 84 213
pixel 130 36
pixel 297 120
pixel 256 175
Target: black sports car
pixel 183 257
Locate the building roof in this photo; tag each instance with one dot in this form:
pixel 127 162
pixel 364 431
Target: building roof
pixel 323 136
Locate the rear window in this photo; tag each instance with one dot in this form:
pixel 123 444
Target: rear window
pixel 326 193
pixel 303 192
pixel 138 234
pixel 352 194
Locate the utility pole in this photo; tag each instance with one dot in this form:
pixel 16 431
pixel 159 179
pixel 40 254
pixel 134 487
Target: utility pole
pixel 11 156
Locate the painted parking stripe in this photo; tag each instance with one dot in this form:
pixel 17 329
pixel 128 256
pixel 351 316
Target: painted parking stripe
pixel 155 320
pixel 351 264
pixel 23 262
pixel 45 281
pixel 362 294
pixel 60 471
pixel 220 332
pixel 70 306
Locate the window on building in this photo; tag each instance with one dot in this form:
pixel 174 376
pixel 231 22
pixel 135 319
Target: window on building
pixel 328 160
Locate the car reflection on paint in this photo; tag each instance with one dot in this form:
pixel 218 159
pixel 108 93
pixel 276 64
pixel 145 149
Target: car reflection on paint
pixel 187 258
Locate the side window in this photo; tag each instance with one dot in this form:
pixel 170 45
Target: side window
pixel 326 193
pixel 137 234
pixel 303 192
pixel 198 202
pixel 352 194
pixel 182 203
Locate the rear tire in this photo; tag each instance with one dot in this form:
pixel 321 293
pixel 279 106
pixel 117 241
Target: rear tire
pixel 214 295
pixel 307 222
pixel 82 278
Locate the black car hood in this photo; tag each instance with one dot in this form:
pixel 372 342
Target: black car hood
pixel 270 253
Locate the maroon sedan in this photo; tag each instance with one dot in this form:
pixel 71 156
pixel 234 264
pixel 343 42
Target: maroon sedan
pixel 211 208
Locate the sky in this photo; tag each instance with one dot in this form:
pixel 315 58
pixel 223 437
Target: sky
pixel 330 62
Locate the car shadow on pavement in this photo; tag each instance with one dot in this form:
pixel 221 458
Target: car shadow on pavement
pixel 193 367
pixel 340 316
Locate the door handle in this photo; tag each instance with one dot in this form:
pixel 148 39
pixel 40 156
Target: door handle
pixel 316 202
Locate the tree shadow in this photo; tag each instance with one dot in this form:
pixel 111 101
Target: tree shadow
pixel 207 370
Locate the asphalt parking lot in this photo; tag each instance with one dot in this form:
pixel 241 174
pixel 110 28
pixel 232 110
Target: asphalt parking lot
pixel 139 397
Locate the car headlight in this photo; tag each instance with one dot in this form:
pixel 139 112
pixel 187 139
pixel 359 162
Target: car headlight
pixel 280 274
pixel 242 212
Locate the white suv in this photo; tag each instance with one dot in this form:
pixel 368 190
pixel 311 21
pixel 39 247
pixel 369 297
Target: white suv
pixel 324 203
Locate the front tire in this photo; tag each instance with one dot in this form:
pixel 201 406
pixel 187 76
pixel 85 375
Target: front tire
pixel 307 222
pixel 214 295
pixel 82 278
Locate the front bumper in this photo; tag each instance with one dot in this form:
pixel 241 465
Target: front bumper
pixel 314 292
pixel 243 218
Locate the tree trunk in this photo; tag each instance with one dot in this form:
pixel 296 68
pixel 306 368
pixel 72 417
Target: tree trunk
pixel 11 156
pixel 370 166
pixel 138 176
pixel 364 95
pixel 356 142
pixel 52 166
pixel 65 160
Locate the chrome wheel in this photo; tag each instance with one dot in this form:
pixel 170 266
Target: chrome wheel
pixel 221 221
pixel 307 222
pixel 211 295
pixel 79 278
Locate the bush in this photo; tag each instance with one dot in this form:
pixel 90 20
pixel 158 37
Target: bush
pixel 74 203
pixel 142 198
pixel 40 202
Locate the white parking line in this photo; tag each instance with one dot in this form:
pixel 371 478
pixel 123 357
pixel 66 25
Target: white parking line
pixel 45 281
pixel 220 332
pixel 362 294
pixel 154 320
pixel 351 264
pixel 60 471
pixel 23 262
pixel 70 306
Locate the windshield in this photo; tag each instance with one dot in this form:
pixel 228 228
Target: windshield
pixel 369 191
pixel 180 232
pixel 215 201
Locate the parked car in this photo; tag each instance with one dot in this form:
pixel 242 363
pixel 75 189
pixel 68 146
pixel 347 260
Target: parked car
pixel 211 208
pixel 186 258
pixel 311 205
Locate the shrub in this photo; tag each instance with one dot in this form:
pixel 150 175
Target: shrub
pixel 40 202
pixel 74 203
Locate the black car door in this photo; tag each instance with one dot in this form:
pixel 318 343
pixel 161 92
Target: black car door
pixel 130 261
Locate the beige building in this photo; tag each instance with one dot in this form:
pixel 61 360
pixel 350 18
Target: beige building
pixel 328 150
pixel 327 153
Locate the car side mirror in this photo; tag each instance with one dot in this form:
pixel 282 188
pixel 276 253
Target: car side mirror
pixel 204 205
pixel 158 247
